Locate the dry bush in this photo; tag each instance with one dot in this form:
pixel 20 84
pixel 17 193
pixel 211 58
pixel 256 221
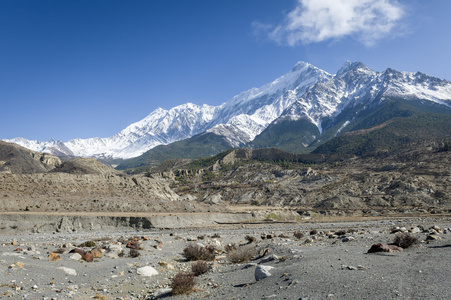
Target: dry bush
pixel 313 232
pixel 200 267
pixel 298 234
pixel 183 283
pixel 197 252
pixel 242 254
pixel 230 247
pixel 250 239
pixel 134 253
pixel 340 232
pixel 405 240
pixel 88 244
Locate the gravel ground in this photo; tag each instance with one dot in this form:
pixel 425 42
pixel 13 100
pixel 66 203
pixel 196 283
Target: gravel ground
pixel 313 267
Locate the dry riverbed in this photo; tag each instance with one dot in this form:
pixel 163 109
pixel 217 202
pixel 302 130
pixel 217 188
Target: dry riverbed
pixel 332 263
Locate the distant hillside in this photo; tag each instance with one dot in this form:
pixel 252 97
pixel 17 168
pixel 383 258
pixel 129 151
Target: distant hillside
pixel 391 125
pixel 202 145
pixel 19 160
pixel 82 166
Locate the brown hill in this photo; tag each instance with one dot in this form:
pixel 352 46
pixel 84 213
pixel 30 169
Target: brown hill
pixel 82 166
pixel 19 160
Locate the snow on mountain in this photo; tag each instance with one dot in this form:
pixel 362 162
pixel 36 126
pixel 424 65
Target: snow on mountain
pixel 304 92
pixel 356 84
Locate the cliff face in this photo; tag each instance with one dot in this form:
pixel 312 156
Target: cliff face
pixel 66 192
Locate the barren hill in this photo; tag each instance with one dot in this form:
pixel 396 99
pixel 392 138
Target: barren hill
pixel 19 160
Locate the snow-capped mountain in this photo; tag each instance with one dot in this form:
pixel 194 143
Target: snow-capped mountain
pixel 305 92
pixel 355 84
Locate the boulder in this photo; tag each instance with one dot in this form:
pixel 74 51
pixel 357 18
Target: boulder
pixel 147 271
pixel 261 272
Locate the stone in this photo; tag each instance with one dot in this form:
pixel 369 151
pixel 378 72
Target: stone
pixel 75 256
pixel 147 271
pixel 54 257
pixel 161 293
pixel 384 248
pixel 166 265
pixel 262 272
pixel 68 271
pixel 308 240
pixel 133 245
pixel 348 239
pixel 87 256
pixel 272 257
pixel 159 246
pixel 415 230
pixel 432 237
pixel 96 253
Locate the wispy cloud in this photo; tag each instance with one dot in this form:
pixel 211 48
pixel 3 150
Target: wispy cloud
pixel 319 20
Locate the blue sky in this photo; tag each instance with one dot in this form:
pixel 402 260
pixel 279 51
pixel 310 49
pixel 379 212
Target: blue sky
pixel 79 69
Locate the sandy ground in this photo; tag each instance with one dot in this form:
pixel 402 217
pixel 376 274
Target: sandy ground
pixel 321 268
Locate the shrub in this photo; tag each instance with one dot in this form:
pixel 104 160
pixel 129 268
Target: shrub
pixel 298 234
pixel 134 253
pixel 313 232
pixel 88 244
pixel 250 239
pixel 198 252
pixel 183 283
pixel 405 240
pixel 242 254
pixel 200 267
pixel 230 247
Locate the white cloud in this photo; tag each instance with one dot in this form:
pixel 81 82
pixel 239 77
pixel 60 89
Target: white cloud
pixel 319 20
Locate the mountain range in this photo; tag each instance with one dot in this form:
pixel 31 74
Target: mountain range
pixel 302 109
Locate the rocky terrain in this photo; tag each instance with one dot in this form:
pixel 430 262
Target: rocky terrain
pixel 304 224
pixel 286 261
pixel 414 179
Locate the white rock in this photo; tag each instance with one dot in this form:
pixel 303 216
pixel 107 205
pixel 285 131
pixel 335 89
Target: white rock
pixel 75 256
pixel 262 272
pixel 415 230
pixel 68 271
pixel 161 292
pixel 147 271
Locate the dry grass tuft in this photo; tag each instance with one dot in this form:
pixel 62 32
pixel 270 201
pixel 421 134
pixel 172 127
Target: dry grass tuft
pixel 88 244
pixel 183 283
pixel 200 267
pixel 298 234
pixel 134 253
pixel 250 239
pixel 242 254
pixel 197 252
pixel 405 240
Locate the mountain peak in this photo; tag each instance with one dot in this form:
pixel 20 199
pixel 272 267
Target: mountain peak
pixel 300 65
pixel 348 66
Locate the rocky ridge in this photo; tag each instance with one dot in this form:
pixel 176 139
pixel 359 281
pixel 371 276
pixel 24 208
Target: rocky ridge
pixel 415 178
